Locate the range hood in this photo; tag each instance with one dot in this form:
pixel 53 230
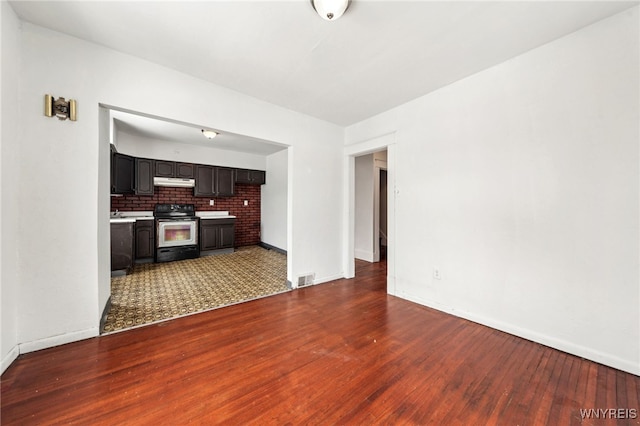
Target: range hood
pixel 174 182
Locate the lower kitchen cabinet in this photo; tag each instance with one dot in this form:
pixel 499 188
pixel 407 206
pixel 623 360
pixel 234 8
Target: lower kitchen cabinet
pixel 216 234
pixel 145 240
pixel 122 247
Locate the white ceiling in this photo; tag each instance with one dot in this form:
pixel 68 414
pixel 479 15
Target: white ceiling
pixel 380 54
pixel 156 128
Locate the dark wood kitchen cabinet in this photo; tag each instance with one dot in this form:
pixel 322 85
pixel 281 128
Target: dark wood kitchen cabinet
pixel 214 181
pixel 145 240
pixel 122 177
pixel 122 246
pixel 225 180
pixel 185 170
pixel 216 234
pixel 144 176
pixel 174 169
pixel 165 168
pixel 205 184
pixel 251 177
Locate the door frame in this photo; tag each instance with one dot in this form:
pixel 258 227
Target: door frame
pixel 388 142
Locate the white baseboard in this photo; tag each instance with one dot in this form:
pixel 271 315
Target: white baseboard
pixel 559 344
pixel 49 342
pixel 9 358
pixel 328 278
pixel 364 255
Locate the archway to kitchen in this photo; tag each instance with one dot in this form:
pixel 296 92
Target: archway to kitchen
pixel 351 153
pixel 261 220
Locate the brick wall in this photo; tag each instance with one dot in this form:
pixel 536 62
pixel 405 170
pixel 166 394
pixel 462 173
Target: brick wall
pixel 247 217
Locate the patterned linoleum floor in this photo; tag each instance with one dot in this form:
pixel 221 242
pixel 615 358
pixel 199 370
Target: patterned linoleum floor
pixel 159 291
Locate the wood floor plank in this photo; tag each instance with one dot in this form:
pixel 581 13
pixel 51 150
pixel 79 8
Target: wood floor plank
pixel 343 352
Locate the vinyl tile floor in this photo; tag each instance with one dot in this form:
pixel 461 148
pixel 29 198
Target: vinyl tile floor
pixel 159 291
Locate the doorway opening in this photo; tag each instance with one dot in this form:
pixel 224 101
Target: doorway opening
pixel 364 238
pixel 370 231
pixel 261 229
pixel 382 225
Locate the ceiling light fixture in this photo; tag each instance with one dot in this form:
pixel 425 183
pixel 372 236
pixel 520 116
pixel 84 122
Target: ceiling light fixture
pixel 330 9
pixel 209 134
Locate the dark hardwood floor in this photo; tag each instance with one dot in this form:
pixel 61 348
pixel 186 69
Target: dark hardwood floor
pixel 338 353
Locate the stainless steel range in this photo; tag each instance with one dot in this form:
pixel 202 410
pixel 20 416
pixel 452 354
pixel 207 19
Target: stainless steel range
pixel 176 232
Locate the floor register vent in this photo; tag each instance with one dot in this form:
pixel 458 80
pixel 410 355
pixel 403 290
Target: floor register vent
pixel 305 280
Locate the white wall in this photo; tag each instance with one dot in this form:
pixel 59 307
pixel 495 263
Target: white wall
pixel 106 137
pixel 274 201
pixel 521 183
pixel 9 169
pixel 63 166
pixel 364 183
pixel 140 146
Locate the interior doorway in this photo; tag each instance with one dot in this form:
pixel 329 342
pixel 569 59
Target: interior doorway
pixel 382 225
pixel 351 154
pixel 370 198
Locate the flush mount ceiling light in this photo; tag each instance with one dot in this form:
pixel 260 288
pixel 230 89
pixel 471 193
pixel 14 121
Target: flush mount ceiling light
pixel 330 9
pixel 209 134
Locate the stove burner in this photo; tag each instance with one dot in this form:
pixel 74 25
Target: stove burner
pixel 174 210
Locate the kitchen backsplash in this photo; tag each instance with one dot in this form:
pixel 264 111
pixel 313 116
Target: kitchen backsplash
pixel 247 217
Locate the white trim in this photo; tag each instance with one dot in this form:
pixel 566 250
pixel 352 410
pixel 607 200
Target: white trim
pixel 290 185
pixel 327 279
pixel 372 145
pixel 376 212
pixel 378 166
pixel 551 342
pixel 348 217
pixel 9 358
pixel 365 255
pixel 62 339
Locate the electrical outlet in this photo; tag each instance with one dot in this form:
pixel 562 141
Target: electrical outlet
pixel 246 202
pixel 437 274
pixel 211 202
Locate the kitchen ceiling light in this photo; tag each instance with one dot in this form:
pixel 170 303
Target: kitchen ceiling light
pixel 330 9
pixel 209 134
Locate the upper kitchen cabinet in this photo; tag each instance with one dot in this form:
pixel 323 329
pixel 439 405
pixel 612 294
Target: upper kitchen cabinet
pixel 225 181
pixel 214 181
pixel 251 177
pixel 122 173
pixel 185 170
pixel 205 184
pixel 174 169
pixel 144 176
pixel 165 168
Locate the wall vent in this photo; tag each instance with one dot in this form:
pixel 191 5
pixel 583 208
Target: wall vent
pixel 305 280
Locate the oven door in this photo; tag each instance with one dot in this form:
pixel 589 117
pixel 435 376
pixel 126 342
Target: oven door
pixel 176 232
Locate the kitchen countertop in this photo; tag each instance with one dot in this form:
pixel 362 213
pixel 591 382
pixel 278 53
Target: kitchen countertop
pixel 126 217
pixel 215 215
pixel 122 220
